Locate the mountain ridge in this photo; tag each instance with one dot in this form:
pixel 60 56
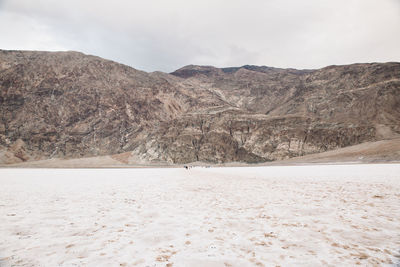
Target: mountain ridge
pixel 71 105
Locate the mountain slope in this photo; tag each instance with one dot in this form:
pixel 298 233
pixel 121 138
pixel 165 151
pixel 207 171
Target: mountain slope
pixel 276 113
pixel 71 105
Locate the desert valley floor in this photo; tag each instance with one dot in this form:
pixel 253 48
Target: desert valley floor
pixel 315 215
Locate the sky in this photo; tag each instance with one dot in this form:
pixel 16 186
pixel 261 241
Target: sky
pixel 164 35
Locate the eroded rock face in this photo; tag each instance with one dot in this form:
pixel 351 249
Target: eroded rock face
pixel 69 105
pixel 248 138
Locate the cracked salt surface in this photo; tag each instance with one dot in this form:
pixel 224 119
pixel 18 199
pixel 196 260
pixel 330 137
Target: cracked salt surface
pixel 241 216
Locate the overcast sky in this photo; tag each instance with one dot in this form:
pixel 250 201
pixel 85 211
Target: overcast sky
pixel 168 34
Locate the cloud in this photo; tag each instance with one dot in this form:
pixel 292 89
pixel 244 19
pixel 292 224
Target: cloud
pixel 165 35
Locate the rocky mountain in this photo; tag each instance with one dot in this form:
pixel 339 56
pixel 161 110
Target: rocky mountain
pixel 71 105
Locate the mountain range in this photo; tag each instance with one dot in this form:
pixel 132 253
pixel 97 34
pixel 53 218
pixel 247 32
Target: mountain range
pixel 69 105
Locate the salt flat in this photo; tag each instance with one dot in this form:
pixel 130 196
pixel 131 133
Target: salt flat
pixel 326 215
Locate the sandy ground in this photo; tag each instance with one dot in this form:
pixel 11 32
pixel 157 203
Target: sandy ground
pixel 326 215
pixel 368 152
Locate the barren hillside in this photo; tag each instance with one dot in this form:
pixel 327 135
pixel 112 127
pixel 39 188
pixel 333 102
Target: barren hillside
pixel 70 105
